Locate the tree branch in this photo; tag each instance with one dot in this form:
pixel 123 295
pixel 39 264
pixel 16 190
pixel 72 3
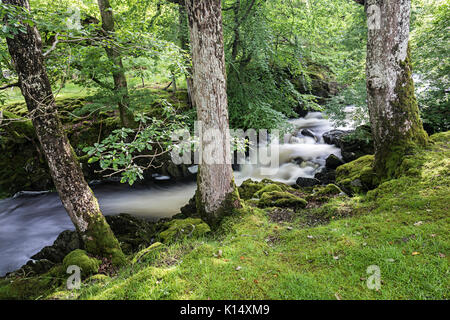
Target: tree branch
pixel 17 84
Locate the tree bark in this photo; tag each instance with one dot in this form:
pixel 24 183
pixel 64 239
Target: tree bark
pixel 217 194
pixel 120 80
pixel 78 199
pixel 393 108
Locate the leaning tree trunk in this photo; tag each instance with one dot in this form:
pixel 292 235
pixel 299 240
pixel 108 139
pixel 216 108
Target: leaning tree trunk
pixel 120 80
pixel 26 52
pixel 393 109
pixel 217 194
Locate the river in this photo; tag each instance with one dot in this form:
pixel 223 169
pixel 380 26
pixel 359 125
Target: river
pixel 29 222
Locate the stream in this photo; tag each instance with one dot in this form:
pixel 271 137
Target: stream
pixel 31 221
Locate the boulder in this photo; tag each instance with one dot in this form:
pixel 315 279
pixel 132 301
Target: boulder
pixel 354 144
pixel 307 182
pixel 133 233
pixel 309 133
pixel 357 176
pixel 66 242
pixel 326 176
pixel 40 266
pixel 333 162
pixel 333 136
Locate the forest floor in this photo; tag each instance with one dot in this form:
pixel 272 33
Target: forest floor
pixel 319 252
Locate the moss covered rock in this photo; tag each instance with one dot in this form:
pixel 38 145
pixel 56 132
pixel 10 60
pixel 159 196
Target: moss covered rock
pixel 180 229
pixel 249 187
pixel 357 176
pixel 80 258
pixel 281 199
pixel 148 253
pixel 328 190
pixel 267 188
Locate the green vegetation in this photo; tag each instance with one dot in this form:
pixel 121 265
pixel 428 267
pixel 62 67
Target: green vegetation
pixel 357 176
pixel 180 229
pixel 318 252
pixel 283 60
pixel 80 258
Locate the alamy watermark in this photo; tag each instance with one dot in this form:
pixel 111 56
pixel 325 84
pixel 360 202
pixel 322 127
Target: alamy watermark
pixel 373 17
pixel 374 280
pixel 208 146
pixel 74 280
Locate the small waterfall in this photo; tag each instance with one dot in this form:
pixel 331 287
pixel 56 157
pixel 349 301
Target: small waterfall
pixel 302 154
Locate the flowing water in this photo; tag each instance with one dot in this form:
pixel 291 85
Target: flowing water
pixel 31 221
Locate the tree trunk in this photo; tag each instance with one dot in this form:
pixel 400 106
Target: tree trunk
pixel 217 194
pixel 184 44
pixel 393 109
pixel 120 80
pixel 75 194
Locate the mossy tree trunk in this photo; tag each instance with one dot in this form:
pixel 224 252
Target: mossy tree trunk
pixel 217 194
pixel 26 52
pixel 393 108
pixel 118 73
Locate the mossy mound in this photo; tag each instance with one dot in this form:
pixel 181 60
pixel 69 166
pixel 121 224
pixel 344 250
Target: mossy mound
pixel 357 176
pixel 328 190
pixel 148 253
pixel 281 199
pixel 249 187
pixel 185 228
pixel 80 258
pixel 267 188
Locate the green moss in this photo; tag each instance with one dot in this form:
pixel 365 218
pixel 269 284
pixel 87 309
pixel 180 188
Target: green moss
pixel 267 188
pixel 148 253
pixel 328 190
pixel 181 229
pixel 228 207
pixel 100 240
pixel 357 176
pixel 80 258
pixel 281 199
pixel 390 154
pixel 98 278
pixel 22 288
pixel 320 253
pixel 249 187
pixel 17 126
pixel 62 295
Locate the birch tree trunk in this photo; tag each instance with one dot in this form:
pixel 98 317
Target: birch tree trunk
pixel 393 108
pixel 217 194
pixel 120 80
pixel 79 201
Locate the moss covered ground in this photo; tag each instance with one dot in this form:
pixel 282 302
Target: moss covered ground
pixel 318 252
